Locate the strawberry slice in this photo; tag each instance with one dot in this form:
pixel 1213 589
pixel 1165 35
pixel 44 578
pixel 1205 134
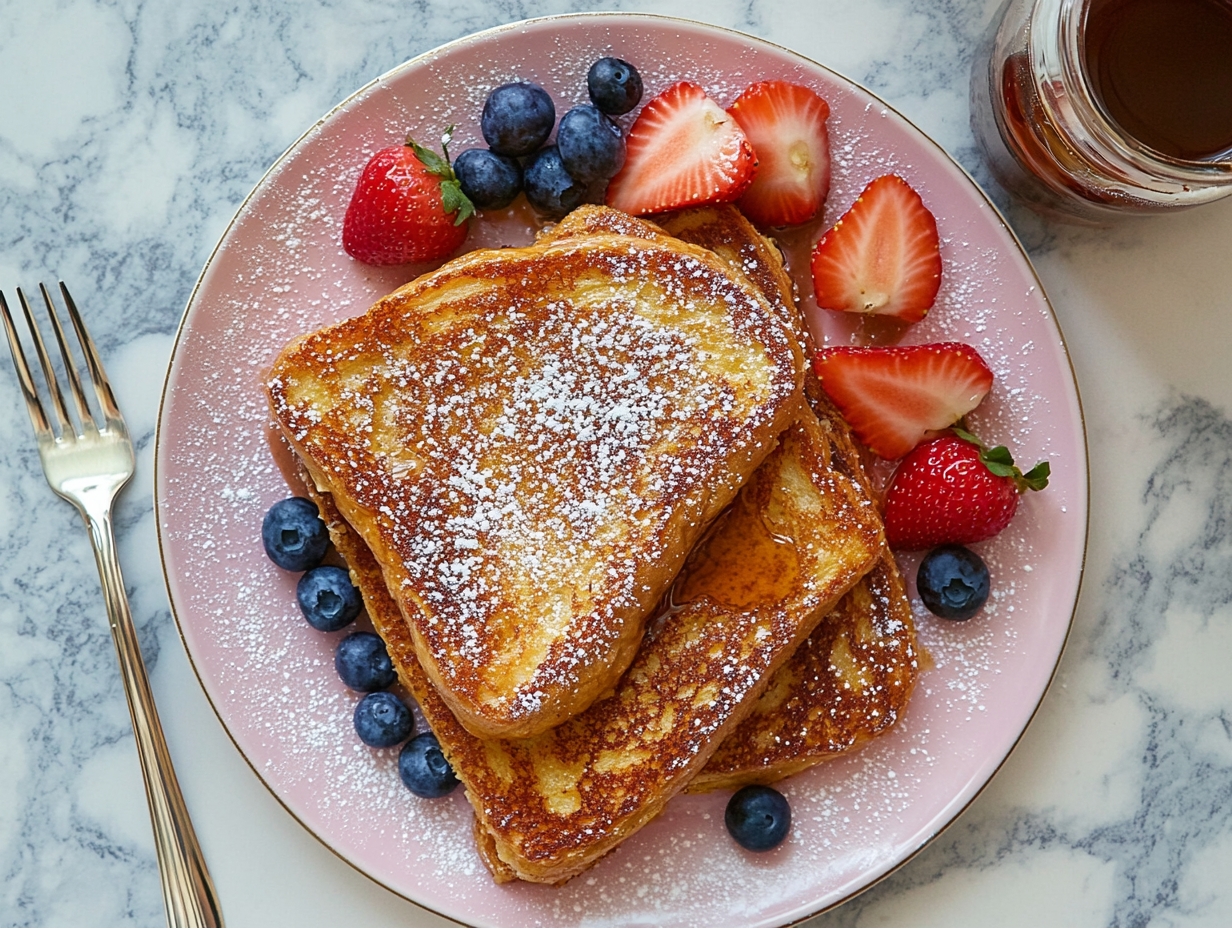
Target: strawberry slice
pixel 786 125
pixel 883 255
pixel 683 150
pixel 894 398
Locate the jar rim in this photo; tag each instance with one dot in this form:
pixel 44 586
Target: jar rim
pixel 1065 58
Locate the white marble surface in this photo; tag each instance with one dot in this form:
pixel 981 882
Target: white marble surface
pixel 130 132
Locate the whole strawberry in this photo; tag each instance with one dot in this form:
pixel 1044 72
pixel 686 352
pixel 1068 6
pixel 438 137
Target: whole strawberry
pixel 407 207
pixel 953 490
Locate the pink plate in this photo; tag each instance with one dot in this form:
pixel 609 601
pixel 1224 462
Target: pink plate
pixel 280 271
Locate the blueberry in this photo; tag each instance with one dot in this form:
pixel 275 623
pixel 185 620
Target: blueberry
pixel 591 146
pixel 614 85
pixel 490 180
pixel 328 599
pixel 517 118
pixel 363 663
pixel 758 817
pixel 423 767
pixel 294 536
pixel 383 720
pixel 549 187
pixel 953 582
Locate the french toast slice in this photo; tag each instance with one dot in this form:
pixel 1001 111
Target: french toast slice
pixel 722 230
pixel 530 441
pixel 797 537
pixel 846 684
pixel 852 678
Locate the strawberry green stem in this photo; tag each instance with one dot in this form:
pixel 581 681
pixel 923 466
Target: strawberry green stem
pixel 1000 463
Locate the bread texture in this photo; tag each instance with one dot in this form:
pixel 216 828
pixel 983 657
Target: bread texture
pixel 785 640
pixel 530 441
pixel 798 536
pixel 849 682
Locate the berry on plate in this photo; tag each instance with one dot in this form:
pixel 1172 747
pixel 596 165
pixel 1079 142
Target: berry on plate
pixel 953 582
pixel 882 257
pixel 953 490
pixel 683 150
pixel 293 534
pixel 786 125
pixel 489 180
pixel 407 207
pixel 614 85
pixel 757 817
pixel 551 189
pixel 328 599
pixel 893 398
pixel 423 768
pixel 363 663
pixel 517 118
pixel 383 720
pixel 590 145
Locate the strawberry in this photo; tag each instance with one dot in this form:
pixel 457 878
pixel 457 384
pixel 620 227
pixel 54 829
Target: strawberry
pixel 953 490
pixel 406 207
pixel 786 125
pixel 683 150
pixel 882 257
pixel 893 398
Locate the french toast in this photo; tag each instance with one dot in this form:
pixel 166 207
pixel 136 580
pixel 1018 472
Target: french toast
pixel 530 441
pixel 800 533
pixel 722 229
pixel 728 571
pixel 852 678
pixel 846 684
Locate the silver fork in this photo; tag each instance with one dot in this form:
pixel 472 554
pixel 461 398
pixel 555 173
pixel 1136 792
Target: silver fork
pixel 87 464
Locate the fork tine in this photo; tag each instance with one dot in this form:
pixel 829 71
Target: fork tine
pixel 70 366
pixel 49 372
pixel 42 428
pixel 102 386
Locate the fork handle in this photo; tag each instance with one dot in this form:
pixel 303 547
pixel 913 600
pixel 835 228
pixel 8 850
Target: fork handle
pixel 188 891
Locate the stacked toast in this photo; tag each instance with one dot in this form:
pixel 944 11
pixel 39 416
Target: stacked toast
pixel 615 539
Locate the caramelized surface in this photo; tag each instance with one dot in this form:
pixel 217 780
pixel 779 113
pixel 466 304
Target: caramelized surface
pixel 530 441
pixel 553 804
pixel 848 683
pixel 548 807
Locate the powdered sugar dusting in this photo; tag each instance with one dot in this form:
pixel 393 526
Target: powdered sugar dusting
pixel 534 489
pixel 281 272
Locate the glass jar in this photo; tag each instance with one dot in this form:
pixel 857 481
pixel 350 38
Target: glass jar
pixel 1047 136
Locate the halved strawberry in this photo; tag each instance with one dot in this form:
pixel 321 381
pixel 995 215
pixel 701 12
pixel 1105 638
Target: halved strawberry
pixel 882 256
pixel 786 125
pixel 894 398
pixel 683 150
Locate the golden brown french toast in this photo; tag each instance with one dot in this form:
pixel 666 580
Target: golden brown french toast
pixel 847 683
pixel 722 230
pixel 854 675
pixel 530 441
pixel 800 533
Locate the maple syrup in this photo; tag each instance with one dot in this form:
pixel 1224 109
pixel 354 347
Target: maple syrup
pixel 1162 69
pixel 743 565
pixel 1093 109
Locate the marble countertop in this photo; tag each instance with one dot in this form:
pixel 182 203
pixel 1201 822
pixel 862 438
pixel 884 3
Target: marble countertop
pixel 129 134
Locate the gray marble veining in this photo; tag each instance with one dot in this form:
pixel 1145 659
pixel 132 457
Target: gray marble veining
pixel 130 132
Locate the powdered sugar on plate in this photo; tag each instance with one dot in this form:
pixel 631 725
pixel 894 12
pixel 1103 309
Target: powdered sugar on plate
pixel 280 272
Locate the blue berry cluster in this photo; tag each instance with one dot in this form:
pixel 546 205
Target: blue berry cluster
pixel 296 539
pixel 517 121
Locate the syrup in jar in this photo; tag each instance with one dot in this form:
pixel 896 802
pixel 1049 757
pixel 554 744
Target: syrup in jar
pixel 1162 69
pixel 1090 109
